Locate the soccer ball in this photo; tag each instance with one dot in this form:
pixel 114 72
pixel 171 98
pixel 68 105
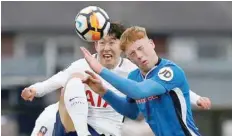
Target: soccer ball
pixel 92 23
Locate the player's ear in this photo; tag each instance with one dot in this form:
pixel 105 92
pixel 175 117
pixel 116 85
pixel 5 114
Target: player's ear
pixel 152 43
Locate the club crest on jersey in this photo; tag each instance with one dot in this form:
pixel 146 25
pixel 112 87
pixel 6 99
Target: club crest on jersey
pixel 43 130
pixel 165 74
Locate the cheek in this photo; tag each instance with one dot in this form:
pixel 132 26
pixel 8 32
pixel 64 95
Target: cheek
pixel 99 49
pixel 117 50
pixel 145 52
pixel 133 60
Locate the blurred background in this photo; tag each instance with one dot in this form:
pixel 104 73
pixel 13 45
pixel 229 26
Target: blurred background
pixel 38 39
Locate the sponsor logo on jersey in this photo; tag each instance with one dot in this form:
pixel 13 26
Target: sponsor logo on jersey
pixel 43 130
pixel 165 74
pixel 144 100
pixel 99 102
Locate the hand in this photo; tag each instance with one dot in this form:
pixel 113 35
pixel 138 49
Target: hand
pixel 93 63
pixel 94 83
pixel 204 103
pixel 28 94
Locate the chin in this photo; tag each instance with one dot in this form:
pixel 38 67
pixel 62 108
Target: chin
pixel 109 64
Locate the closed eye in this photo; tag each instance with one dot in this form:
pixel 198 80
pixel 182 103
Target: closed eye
pixel 132 53
pixel 101 42
pixel 140 48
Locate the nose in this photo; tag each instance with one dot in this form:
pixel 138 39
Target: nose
pixel 139 55
pixel 106 47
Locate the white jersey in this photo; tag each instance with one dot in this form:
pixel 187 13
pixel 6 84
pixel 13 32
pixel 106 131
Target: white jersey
pixel 101 116
pixel 45 122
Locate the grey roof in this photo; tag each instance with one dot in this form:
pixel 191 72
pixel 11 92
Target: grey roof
pixel 155 16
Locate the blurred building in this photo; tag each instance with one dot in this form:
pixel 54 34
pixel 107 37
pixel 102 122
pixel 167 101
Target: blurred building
pixel 38 38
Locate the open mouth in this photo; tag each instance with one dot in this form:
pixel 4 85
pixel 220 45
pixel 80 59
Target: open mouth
pixel 107 56
pixel 144 62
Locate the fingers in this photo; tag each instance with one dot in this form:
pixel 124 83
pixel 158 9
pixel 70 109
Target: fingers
pixel 28 94
pixel 204 103
pixel 91 74
pixel 90 80
pixel 25 94
pixel 82 50
pixel 31 98
pixel 207 102
pixel 86 54
pixel 85 50
pixel 93 80
pixel 85 80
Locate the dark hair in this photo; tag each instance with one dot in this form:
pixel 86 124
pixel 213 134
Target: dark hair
pixel 116 29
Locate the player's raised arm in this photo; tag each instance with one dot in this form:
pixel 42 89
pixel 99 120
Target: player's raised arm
pixel 53 83
pixel 120 104
pixel 133 89
pixel 129 87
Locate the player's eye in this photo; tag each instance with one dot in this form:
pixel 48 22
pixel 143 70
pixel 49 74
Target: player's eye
pixel 101 42
pixel 140 48
pixel 111 43
pixel 132 54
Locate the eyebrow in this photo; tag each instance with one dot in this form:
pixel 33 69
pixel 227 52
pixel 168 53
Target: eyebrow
pixel 114 38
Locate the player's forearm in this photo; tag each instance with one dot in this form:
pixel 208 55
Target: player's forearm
pixel 121 105
pixel 55 82
pixel 193 97
pixel 132 88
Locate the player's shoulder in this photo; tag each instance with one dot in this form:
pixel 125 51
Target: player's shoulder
pixel 166 62
pixel 168 69
pixel 52 107
pixel 170 64
pixel 133 74
pixel 79 62
pixel 49 112
pixel 127 65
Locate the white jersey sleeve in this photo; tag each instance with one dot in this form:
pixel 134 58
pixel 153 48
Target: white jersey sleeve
pixel 193 97
pixel 45 122
pixel 58 80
